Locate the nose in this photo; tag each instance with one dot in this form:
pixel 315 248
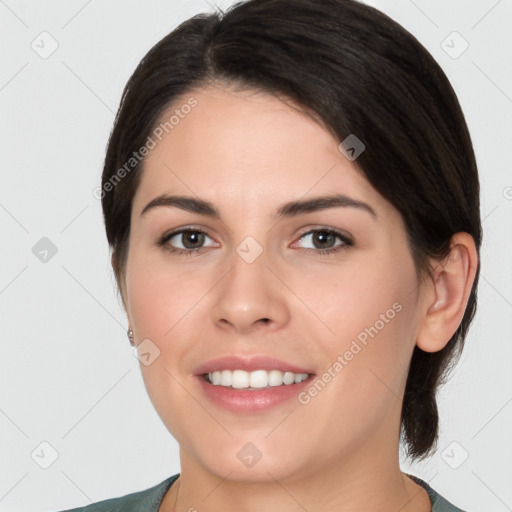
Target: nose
pixel 250 297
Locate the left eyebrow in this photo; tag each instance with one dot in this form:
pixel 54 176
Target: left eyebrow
pixel 315 204
pixel 290 209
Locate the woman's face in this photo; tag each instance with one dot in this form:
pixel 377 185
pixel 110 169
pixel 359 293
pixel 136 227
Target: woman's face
pixel 259 284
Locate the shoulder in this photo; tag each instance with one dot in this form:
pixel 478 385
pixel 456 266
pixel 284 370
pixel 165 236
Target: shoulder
pixel 147 500
pixel 439 504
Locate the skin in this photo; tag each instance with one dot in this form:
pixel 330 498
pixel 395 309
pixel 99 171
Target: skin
pixel 247 153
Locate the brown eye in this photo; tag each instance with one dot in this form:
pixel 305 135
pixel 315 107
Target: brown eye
pixel 191 241
pixel 323 238
pixel 324 241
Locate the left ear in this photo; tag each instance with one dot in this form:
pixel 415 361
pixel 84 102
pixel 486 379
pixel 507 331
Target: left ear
pixel 448 294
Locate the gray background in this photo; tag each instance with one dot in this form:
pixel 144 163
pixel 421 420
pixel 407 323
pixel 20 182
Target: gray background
pixel 68 375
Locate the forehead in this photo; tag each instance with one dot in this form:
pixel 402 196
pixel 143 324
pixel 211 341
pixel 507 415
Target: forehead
pixel 246 147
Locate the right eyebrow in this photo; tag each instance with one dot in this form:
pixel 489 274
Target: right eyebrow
pixel 187 203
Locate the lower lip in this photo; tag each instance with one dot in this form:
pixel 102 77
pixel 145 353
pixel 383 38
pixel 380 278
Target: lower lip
pixel 251 400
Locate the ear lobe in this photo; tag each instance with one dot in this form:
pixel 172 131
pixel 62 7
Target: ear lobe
pixel 450 288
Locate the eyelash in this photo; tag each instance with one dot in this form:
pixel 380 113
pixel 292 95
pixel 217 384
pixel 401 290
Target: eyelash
pixel 347 242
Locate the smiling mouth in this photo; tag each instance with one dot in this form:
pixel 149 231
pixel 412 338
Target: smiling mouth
pixel 258 379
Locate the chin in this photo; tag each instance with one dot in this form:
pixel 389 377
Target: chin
pixel 241 460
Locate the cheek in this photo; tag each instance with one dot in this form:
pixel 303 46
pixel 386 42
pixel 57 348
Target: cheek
pixel 366 364
pixel 371 311
pixel 364 294
pixel 160 295
pixel 161 302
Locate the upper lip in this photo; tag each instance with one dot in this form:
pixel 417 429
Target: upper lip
pixel 249 364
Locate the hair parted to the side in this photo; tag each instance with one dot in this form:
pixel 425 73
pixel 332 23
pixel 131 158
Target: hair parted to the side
pixel 360 73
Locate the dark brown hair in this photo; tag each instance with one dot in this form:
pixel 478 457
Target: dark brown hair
pixel 360 73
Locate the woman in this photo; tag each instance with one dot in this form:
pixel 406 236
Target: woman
pixel 292 201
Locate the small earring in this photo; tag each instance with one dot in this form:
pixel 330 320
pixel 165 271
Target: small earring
pixel 130 336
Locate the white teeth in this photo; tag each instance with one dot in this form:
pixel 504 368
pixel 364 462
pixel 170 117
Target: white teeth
pixel 240 379
pixel 258 379
pixel 298 377
pixel 275 378
pixel 225 378
pixel 288 377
